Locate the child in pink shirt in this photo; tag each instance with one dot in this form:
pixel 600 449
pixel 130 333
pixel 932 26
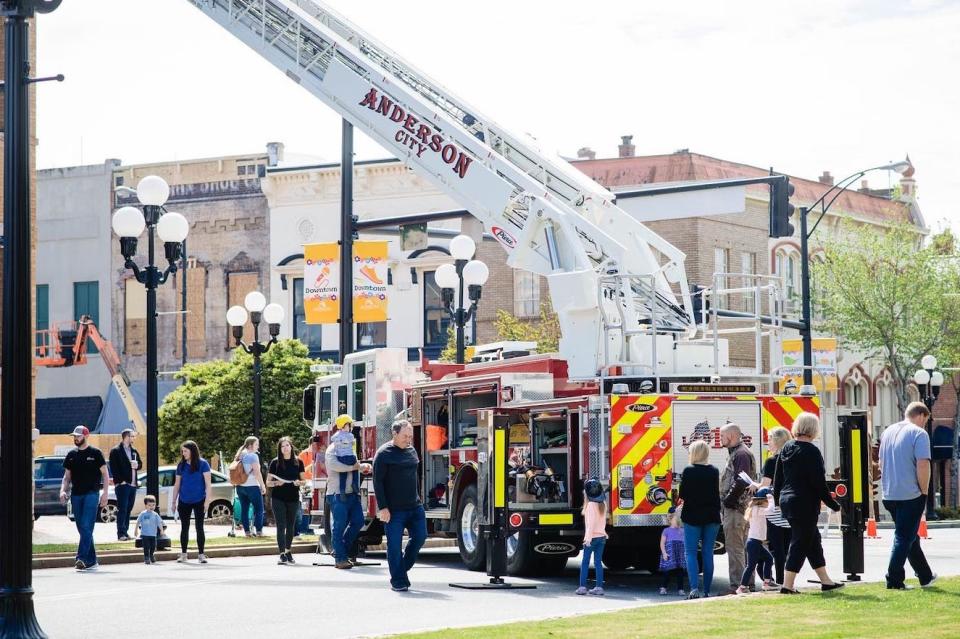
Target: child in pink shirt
pixel 594 535
pixel 758 557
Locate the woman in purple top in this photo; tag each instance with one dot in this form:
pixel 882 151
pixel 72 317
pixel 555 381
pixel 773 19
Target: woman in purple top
pixel 192 486
pixel 672 555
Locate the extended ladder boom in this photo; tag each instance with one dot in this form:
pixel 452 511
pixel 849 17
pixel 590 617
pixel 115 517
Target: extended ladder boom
pixel 610 276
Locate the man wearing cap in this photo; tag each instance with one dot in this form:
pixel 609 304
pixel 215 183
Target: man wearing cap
pixel 124 463
pixel 343 491
pixel 85 474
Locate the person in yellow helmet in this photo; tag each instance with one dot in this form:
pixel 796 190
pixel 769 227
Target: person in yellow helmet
pixel 342 463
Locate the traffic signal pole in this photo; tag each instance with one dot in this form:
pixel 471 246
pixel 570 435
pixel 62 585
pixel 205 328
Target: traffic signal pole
pixel 806 334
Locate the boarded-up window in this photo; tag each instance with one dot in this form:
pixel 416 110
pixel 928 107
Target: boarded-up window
pixel 196 279
pixel 135 324
pixel 238 285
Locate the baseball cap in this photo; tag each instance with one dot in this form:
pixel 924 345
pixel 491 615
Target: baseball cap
pixel 81 431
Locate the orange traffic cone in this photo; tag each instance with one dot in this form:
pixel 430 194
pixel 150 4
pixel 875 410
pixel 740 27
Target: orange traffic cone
pixel 923 528
pixel 872 529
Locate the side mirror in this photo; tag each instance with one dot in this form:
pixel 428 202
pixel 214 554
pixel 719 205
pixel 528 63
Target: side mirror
pixel 310 404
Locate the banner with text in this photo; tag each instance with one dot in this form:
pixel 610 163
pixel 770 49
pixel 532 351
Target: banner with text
pixel 824 363
pixel 321 283
pixel 369 282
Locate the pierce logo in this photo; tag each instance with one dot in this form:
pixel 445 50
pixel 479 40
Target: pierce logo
pixel 554 548
pixel 503 237
pixel 640 408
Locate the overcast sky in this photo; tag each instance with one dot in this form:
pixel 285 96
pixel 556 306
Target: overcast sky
pixel 800 86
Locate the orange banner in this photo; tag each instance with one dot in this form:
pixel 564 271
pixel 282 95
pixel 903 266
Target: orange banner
pixel 321 283
pixel 369 282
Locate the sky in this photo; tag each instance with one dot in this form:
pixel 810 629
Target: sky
pixel 838 85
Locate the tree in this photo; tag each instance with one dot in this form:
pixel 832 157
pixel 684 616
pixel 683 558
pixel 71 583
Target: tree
pixel 887 296
pixel 214 407
pixel 545 332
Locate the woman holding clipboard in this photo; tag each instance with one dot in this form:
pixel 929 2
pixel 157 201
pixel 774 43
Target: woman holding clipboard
pixel 285 475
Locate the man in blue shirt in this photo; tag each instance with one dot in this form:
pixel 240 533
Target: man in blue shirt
pixel 905 478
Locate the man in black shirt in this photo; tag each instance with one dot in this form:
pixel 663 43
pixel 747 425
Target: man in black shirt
pixel 396 484
pixel 86 473
pixel 124 463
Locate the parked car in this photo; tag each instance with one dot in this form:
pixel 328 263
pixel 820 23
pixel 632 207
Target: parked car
pixel 47 478
pixel 221 499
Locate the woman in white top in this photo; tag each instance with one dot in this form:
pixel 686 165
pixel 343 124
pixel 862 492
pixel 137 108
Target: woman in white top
pixel 252 490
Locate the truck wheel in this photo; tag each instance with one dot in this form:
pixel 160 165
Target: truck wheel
pixel 473 549
pixel 551 565
pixel 619 557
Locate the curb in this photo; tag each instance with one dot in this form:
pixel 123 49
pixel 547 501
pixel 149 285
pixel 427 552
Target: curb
pixel 949 523
pixel 109 557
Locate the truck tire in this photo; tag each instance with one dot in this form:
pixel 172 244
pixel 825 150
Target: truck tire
pixel 619 557
pixel 473 550
pixel 523 558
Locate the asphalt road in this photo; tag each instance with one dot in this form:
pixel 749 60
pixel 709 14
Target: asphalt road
pixel 255 596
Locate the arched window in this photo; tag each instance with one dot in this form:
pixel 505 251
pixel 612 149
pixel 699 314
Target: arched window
pixel 856 391
pixel 787 267
pixel 887 411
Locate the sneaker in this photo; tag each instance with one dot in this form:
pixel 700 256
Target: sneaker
pixel 248 534
pixel 182 559
pixel 290 558
pixel 153 560
pixel 663 591
pixel 79 565
pixel 903 587
pixel 598 591
pixel 345 565
pixel 146 561
pixel 91 567
pixel 788 591
pixel 123 538
pixel 681 593
pixel 743 590
pixel 833 586
pixel 282 561
pixel 354 561
pixel 202 558
pixel 397 588
pixel 693 594
pixel 582 590
pixel 932 581
pixel 769 585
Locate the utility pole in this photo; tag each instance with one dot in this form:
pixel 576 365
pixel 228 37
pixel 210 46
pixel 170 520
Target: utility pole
pixel 347 229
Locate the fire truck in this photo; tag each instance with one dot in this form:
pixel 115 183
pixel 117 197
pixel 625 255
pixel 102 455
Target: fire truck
pixel 643 368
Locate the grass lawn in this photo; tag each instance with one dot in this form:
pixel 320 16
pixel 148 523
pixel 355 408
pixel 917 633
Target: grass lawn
pixel 46 549
pixel 869 611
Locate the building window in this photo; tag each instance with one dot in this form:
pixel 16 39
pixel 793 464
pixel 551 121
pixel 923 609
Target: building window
pixel 43 311
pixel 118 181
pixel 435 319
pixel 86 301
pixel 748 266
pixel 788 270
pixel 238 285
pixel 526 294
pixel 135 318
pixel 241 169
pixel 195 318
pixel 309 334
pixel 721 264
pixel 372 335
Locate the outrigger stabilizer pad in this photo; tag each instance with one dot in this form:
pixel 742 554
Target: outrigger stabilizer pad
pixel 496 583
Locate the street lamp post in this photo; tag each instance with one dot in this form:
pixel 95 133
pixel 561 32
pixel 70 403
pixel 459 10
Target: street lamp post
pixel 464 270
pixel 259 311
pixel 928 382
pixel 806 333
pixel 129 223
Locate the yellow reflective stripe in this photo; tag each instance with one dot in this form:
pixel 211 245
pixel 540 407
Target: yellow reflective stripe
pixel 855 438
pixel 641 448
pixel 556 520
pixel 500 468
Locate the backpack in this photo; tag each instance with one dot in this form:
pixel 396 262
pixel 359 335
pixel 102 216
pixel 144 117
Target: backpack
pixel 238 474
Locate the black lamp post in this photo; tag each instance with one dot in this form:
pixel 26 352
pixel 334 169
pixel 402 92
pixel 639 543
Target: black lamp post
pixel 928 382
pixel 259 311
pixel 129 223
pixel 17 616
pixel 806 333
pixel 464 270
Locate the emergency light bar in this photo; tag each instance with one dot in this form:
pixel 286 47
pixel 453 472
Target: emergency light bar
pixel 714 389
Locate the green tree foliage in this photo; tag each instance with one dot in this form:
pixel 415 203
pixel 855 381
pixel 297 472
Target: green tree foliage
pixel 545 331
pixel 215 405
pixel 887 296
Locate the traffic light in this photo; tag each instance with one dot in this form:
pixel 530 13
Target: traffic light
pixel 780 208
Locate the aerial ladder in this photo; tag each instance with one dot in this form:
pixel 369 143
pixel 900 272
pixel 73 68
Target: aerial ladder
pixel 618 288
pixel 65 345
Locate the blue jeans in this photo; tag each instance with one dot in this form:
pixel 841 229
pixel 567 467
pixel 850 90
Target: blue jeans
pixel 347 522
pixel 595 548
pixel 694 536
pixel 906 542
pixel 250 495
pixel 414 521
pixel 85 508
pixel 126 495
pixel 759 559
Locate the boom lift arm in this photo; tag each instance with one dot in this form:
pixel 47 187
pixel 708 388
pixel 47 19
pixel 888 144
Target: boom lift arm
pixel 611 278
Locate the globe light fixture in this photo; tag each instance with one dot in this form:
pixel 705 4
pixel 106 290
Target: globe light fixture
pixel 259 311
